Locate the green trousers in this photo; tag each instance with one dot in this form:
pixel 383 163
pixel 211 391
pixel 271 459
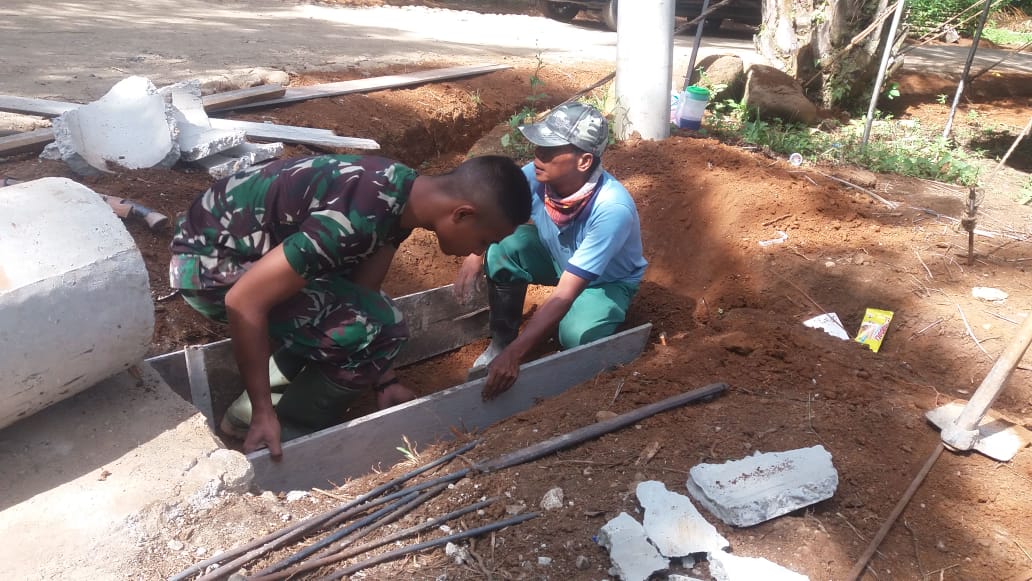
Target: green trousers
pixel 596 313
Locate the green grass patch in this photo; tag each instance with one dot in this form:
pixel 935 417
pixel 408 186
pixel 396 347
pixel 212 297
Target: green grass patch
pixel 1007 38
pixel 901 147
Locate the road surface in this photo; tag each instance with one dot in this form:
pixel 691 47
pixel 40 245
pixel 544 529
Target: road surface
pixel 77 50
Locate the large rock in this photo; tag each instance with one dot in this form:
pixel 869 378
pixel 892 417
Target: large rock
pixel 724 76
pixel 762 486
pixel 772 94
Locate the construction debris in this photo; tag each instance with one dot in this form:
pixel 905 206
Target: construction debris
pixel 674 525
pixel 634 558
pixel 727 567
pixel 197 138
pixel 132 127
pixel 760 487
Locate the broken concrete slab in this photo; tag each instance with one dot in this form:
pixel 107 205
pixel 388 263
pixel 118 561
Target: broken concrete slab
pixel 727 567
pixel 89 481
pixel 197 139
pixel 673 523
pixel 132 127
pixel 633 557
pixel 243 156
pixel 84 294
pixel 765 485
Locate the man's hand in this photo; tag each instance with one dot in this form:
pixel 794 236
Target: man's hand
pixel 468 278
pixel 501 373
pixel 264 433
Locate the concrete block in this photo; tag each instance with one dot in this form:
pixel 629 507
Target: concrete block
pixel 633 557
pixel 674 525
pixel 232 160
pixel 762 486
pixel 196 138
pixel 728 567
pixel 132 126
pixel 75 301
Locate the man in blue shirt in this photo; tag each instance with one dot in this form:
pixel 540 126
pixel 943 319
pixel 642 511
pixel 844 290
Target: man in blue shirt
pixel 584 239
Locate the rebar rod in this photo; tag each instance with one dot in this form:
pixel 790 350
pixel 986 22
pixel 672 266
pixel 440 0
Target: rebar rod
pixel 336 535
pixel 397 553
pixel 318 520
pixel 343 552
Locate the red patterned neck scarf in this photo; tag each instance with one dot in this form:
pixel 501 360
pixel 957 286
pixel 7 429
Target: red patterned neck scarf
pixel 561 210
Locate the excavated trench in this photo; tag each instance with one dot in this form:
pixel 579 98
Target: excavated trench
pixel 430 127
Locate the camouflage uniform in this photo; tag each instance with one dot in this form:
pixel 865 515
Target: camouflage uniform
pixel 329 213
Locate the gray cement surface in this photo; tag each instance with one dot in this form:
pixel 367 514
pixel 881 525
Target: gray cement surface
pixel 88 480
pixel 78 50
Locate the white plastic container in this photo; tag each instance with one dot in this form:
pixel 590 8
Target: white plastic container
pixel 692 107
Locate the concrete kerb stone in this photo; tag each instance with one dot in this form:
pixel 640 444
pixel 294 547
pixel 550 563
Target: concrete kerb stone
pixel 763 486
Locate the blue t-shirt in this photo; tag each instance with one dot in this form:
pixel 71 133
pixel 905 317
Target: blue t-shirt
pixel 603 244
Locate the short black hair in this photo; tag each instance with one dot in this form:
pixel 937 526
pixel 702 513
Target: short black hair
pixel 495 181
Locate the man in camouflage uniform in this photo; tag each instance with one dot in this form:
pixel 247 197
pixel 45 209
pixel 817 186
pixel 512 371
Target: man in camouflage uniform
pixel 293 254
pixel 585 241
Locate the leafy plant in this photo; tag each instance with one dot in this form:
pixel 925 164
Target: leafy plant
pixel 513 142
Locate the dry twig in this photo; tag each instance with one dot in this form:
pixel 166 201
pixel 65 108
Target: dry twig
pixel 921 260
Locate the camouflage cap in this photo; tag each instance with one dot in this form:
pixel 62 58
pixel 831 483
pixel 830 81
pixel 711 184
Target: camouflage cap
pixel 572 123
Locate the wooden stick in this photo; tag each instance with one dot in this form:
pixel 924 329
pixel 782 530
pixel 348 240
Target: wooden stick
pixel 861 564
pixel 1024 132
pixel 889 204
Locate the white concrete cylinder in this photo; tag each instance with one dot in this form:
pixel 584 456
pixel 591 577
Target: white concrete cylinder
pixel 75 302
pixel 644 55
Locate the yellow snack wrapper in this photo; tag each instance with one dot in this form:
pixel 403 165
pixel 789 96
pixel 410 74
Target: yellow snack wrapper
pixel 873 328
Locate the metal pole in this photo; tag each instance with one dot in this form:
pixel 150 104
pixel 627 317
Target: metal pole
pixel 695 47
pixel 889 41
pixel 967 68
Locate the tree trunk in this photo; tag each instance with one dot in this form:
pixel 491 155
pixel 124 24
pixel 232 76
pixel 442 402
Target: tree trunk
pixel 811 40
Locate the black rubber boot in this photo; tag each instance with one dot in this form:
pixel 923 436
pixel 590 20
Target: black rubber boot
pixel 506 302
pixel 284 366
pixel 314 400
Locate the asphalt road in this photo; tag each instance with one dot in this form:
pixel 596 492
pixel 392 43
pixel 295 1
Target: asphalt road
pixel 78 50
